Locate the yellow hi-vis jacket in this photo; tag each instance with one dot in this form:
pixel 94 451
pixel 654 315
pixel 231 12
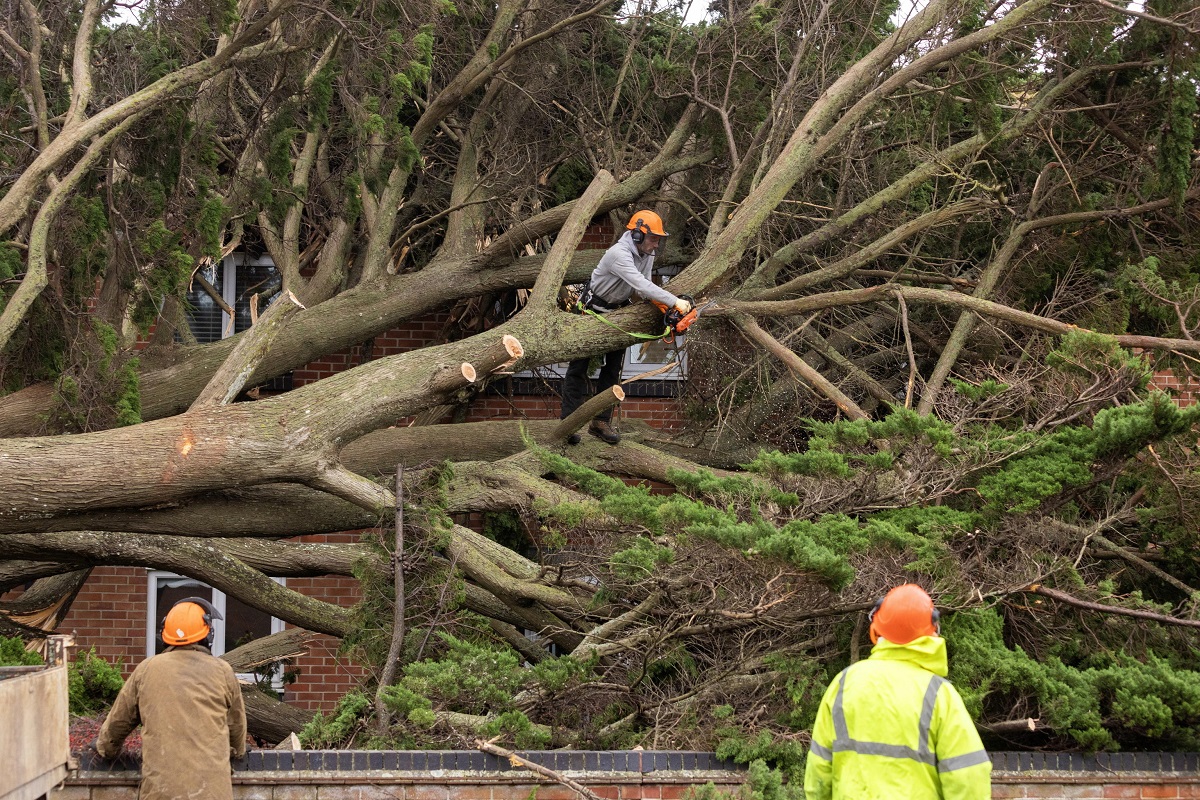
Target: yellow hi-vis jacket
pixel 893 727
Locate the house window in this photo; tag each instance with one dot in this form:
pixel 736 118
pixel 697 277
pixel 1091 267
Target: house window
pixel 666 361
pixel 241 623
pixel 235 280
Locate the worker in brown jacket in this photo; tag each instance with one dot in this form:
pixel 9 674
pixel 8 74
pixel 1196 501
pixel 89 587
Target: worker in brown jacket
pixel 190 708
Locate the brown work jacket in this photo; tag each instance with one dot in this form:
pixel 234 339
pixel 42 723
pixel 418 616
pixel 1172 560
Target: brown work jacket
pixel 193 721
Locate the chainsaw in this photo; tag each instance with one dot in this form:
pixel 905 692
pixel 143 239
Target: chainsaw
pixel 676 322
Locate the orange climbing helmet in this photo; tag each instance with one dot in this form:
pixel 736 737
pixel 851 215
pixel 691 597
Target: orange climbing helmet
pixel 189 621
pixel 643 222
pixel 904 614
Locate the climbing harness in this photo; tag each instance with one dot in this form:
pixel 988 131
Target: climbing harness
pixel 585 301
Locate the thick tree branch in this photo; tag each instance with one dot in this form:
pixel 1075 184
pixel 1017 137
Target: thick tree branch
pixel 36 273
pixel 191 557
pixel 228 381
pixel 81 65
pixel 471 556
pixel 591 408
pixel 798 367
pixel 544 296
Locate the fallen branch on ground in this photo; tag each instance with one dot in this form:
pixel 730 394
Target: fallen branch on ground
pixel 517 761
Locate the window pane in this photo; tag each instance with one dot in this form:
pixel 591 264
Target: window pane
pixel 204 315
pixel 652 355
pixel 243 623
pixel 168 592
pixel 253 279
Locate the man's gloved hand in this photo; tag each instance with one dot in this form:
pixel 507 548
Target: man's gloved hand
pixel 90 754
pixel 683 306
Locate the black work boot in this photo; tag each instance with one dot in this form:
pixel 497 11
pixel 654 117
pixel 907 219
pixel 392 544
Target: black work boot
pixel 603 431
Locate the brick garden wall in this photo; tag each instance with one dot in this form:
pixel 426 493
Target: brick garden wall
pixel 1185 389
pixel 616 775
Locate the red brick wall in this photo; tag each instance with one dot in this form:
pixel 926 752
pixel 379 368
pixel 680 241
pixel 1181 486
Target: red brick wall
pixel 1185 389
pixel 1052 788
pixel 109 614
pixel 324 676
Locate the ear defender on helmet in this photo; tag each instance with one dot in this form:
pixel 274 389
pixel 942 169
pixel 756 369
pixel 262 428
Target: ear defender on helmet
pixel 189 621
pixel 904 614
pixel 640 229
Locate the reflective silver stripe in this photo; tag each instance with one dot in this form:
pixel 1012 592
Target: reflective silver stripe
pixel 931 693
pixel 963 761
pixel 880 749
pixel 842 743
pixel 840 731
pixel 820 750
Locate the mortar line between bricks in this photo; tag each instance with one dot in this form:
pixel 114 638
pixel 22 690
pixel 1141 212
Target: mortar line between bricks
pixel 1105 779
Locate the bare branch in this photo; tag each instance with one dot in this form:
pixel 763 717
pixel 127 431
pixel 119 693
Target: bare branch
pixel 1063 597
pixel 797 365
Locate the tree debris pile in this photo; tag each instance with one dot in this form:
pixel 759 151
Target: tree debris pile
pixel 714 617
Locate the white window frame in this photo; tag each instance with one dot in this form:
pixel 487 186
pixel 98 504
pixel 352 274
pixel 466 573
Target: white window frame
pixel 218 601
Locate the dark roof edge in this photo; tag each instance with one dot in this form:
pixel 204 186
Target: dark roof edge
pixel 638 761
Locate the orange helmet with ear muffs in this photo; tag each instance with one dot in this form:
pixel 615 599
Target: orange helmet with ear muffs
pixel 643 222
pixel 189 621
pixel 904 614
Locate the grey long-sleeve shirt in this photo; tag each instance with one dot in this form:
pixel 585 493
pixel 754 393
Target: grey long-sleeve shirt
pixel 624 270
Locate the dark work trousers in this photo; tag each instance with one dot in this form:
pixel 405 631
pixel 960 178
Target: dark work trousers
pixel 575 384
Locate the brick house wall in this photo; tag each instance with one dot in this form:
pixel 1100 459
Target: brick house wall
pixel 1184 389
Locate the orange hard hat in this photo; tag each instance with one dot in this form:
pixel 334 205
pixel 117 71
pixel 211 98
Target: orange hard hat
pixel 904 614
pixel 189 621
pixel 646 221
